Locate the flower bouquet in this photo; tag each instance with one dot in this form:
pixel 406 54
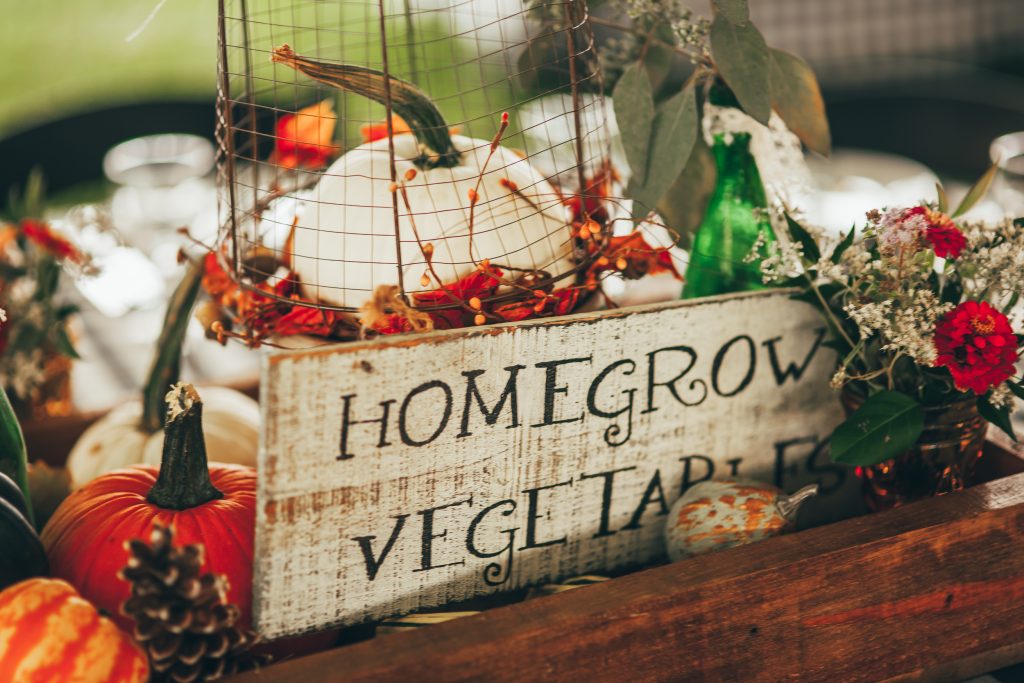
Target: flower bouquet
pixel 917 302
pixel 36 347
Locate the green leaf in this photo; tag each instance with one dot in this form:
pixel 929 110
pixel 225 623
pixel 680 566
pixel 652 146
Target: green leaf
pixel 47 278
pixel 686 201
pixel 735 11
pixel 634 113
pixel 1017 389
pixel 844 244
pixel 13 458
pixel 65 310
pixel 744 63
pixel 673 134
pixel 804 238
pixel 976 192
pixel 1012 303
pixel 952 291
pixel 1000 417
pixel 943 199
pixel 9 272
pixel 887 424
pixel 797 98
pixel 63 342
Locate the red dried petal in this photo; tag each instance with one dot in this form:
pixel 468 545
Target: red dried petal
pixel 305 139
pixel 40 234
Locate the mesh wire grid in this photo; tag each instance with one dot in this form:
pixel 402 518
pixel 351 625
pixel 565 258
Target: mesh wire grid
pixel 343 229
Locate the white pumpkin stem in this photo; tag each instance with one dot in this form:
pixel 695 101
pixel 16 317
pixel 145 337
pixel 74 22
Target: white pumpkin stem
pixel 166 366
pixel 788 505
pixel 412 104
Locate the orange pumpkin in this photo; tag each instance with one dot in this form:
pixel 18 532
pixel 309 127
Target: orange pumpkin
pixel 211 505
pixel 50 633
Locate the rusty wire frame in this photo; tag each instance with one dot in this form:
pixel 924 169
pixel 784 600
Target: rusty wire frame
pixel 439 47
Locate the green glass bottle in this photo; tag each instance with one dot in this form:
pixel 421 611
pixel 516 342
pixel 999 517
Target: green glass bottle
pixel 735 217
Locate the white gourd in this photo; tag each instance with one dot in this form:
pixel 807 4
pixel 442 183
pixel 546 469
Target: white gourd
pixel 230 424
pixel 345 245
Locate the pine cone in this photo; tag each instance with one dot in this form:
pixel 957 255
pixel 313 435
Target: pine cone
pixel 181 619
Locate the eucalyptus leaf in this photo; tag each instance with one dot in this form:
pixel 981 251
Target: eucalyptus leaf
pixel 843 245
pixel 634 113
pixel 673 134
pixel 659 57
pixel 977 191
pixel 804 238
pixel 797 98
pixel 686 201
pixel 743 62
pixel 886 424
pixel 736 11
pixel 1000 417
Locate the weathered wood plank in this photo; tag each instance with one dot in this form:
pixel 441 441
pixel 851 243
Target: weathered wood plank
pixel 419 470
pixel 932 591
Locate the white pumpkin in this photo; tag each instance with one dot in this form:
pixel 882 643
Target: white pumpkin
pixel 230 423
pixel 345 247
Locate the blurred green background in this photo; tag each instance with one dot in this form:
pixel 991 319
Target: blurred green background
pixel 61 57
pixel 71 86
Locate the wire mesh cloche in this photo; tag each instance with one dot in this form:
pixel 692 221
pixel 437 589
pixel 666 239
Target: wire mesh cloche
pixel 396 166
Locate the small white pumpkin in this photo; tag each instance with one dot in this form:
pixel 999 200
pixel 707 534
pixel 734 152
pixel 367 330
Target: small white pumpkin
pixel 345 244
pixel 231 423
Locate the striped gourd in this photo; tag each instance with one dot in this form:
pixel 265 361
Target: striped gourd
pixel 50 633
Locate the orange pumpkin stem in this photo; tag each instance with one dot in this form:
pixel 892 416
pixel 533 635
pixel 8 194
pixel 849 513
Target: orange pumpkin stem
pixel 184 479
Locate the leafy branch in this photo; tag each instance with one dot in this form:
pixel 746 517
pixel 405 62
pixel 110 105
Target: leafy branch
pixel 659 118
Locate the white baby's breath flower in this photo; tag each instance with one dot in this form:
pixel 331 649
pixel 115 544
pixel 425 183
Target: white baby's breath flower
pixel 23 372
pixel 1001 396
pixel 905 325
pixel 781 260
pixel 901 230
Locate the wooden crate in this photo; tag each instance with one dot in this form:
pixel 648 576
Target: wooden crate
pixel 932 591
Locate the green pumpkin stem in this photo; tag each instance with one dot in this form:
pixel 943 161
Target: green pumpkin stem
pixel 412 104
pixel 184 479
pixel 166 366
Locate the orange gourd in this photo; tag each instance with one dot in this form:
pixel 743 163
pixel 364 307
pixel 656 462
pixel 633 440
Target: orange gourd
pixel 213 505
pixel 50 633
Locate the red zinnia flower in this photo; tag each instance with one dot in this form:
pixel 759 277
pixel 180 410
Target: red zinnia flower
pixel 977 345
pixel 41 234
pixel 945 237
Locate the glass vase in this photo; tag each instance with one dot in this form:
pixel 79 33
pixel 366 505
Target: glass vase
pixel 735 221
pixel 52 396
pixel 943 458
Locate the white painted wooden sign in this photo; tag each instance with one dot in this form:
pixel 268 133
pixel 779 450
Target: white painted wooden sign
pixel 417 470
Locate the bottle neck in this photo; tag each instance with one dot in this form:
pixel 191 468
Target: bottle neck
pixel 737 171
